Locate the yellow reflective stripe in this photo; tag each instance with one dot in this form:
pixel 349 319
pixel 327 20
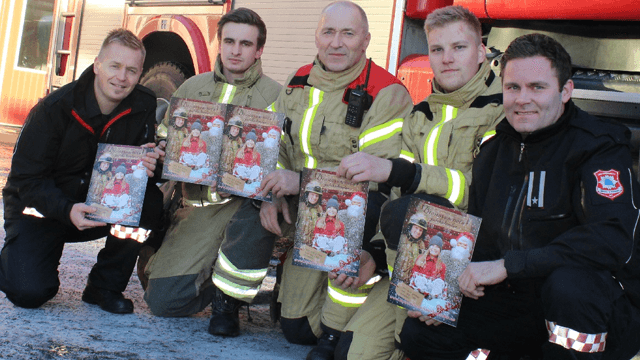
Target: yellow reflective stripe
pixel 380 133
pixel 228 91
pixel 456 182
pixel 344 298
pixel 488 135
pixel 232 289
pixel 431 145
pixel 315 98
pixel 407 155
pixel 271 107
pixel 390 268
pixel 279 165
pixel 251 275
pixel 162 131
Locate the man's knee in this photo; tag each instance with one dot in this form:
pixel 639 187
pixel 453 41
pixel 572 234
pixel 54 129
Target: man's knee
pixel 168 303
pixel 298 331
pixel 31 296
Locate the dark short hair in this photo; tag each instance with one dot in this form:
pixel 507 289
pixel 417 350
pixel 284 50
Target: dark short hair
pixel 123 37
pixel 245 16
pixel 531 45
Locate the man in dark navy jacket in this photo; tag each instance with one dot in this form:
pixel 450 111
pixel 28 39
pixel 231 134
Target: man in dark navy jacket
pixel 50 173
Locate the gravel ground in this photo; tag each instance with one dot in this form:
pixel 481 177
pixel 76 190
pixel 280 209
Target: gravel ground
pixel 67 328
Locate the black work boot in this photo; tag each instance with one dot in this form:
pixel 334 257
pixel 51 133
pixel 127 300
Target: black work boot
pixel 224 315
pixel 111 301
pixel 326 344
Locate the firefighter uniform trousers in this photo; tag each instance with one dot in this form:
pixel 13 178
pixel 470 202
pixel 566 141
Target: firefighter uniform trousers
pixel 206 246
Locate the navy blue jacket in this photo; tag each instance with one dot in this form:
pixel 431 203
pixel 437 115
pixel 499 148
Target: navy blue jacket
pixel 566 195
pixel 53 157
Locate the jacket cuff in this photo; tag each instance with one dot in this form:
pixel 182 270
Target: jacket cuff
pixel 66 218
pixel 402 174
pixel 514 262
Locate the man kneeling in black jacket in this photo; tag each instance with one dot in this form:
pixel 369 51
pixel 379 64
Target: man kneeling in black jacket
pixel 50 173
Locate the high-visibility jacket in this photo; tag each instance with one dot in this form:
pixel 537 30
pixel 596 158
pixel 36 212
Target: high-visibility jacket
pixel 315 101
pixel 444 132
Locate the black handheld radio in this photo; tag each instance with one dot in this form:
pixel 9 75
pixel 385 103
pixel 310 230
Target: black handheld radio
pixel 358 102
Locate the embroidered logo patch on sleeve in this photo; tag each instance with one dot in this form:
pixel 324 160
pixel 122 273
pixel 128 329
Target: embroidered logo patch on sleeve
pixel 608 183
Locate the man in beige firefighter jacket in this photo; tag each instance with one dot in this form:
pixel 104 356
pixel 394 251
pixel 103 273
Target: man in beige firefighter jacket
pixel 204 257
pixel 320 135
pixel 440 140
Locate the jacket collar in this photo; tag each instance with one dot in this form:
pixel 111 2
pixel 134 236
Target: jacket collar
pixel 464 96
pixel 248 79
pixel 331 81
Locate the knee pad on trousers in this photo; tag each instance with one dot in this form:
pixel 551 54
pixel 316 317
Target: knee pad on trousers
pixel 298 331
pixel 342 348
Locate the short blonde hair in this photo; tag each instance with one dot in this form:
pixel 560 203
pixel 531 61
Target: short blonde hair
pixel 123 37
pixel 451 14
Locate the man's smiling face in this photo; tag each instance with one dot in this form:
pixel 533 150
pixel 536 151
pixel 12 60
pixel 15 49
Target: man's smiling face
pixel 532 96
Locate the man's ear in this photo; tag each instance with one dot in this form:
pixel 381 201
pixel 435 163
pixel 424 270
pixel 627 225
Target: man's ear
pixel 259 52
pixel 482 53
pixel 567 89
pixel 96 63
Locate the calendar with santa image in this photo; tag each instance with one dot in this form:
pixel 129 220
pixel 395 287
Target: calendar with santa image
pixel 435 247
pixel 194 141
pixel 251 144
pixel 118 184
pixel 330 224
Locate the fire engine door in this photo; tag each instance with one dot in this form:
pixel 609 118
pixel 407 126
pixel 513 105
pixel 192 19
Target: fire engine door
pixel 66 35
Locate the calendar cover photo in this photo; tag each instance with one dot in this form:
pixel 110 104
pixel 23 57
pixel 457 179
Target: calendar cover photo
pixel 435 247
pixel 118 184
pixel 330 224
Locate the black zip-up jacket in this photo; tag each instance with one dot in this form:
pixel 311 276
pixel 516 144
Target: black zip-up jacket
pixel 54 155
pixel 565 196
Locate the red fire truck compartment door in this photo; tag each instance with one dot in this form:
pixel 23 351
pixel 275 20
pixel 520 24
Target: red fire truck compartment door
pixel 416 74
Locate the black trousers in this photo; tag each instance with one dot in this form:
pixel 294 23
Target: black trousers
pixel 510 320
pixel 33 247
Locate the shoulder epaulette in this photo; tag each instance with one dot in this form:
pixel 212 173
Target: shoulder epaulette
pixel 379 79
pixel 602 127
pixel 482 101
pixel 423 107
pixel 301 78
